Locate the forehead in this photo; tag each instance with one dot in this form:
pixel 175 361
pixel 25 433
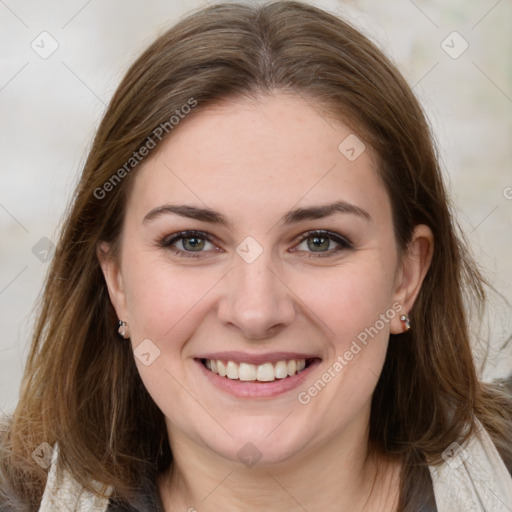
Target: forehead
pixel 261 156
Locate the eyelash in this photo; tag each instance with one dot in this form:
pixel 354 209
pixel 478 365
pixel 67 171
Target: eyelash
pixel 343 242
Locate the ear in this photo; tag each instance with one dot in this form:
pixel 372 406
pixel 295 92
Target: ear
pixel 413 269
pixel 114 279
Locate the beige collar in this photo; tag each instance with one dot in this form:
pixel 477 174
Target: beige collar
pixel 473 477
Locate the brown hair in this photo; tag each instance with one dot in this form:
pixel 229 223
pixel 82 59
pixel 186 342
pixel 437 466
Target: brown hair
pixel 81 386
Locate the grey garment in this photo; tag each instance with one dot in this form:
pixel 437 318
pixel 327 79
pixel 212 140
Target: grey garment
pixel 148 501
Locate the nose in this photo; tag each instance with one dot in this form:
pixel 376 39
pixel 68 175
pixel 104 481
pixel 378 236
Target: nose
pixel 256 300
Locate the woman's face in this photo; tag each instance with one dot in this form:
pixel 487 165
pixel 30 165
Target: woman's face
pixel 289 258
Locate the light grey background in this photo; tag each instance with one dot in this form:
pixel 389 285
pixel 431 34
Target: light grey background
pixel 51 106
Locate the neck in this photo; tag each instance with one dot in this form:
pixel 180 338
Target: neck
pixel 336 472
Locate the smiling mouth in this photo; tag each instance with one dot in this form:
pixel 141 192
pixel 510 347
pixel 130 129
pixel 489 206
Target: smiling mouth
pixel 266 372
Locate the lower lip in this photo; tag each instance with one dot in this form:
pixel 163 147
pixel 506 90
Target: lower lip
pixel 246 389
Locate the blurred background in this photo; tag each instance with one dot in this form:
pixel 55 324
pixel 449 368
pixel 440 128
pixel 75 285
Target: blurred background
pixel 60 63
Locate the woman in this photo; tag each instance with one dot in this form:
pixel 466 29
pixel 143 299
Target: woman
pixel 259 300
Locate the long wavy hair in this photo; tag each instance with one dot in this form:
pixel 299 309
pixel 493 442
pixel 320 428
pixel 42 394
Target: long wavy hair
pixel 81 386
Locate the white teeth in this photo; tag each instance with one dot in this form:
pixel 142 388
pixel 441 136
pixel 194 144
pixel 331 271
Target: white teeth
pixel 221 369
pixel 291 367
pixel 281 370
pixel 246 371
pixel 232 370
pixel 266 372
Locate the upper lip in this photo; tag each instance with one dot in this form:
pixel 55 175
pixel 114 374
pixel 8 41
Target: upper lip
pixel 244 357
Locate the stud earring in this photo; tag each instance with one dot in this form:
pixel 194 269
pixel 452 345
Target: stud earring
pixel 123 329
pixel 405 319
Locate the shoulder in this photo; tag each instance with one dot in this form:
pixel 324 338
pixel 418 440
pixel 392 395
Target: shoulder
pixel 11 497
pixel 63 493
pixel 472 474
pixel 498 420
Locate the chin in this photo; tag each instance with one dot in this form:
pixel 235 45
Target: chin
pixel 260 443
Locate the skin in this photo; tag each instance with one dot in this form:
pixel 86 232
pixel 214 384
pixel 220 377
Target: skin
pixel 253 161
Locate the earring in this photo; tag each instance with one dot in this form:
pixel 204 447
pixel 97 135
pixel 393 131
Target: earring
pixel 405 319
pixel 123 329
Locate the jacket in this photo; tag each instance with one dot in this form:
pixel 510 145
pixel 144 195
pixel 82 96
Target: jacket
pixel 473 478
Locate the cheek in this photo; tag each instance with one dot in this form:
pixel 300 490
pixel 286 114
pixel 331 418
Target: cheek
pixel 348 300
pixel 162 298
pixel 166 306
pixel 354 306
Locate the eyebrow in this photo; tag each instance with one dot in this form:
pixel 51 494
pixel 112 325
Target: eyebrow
pixel 291 217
